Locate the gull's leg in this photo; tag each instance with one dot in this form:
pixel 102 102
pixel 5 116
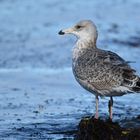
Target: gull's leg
pixel 97 102
pixel 110 105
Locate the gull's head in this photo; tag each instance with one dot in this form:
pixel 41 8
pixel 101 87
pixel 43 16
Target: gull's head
pixel 84 29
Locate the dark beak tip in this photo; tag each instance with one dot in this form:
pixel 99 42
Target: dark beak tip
pixel 61 32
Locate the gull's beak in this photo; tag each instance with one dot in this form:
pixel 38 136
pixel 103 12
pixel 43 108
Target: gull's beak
pixel 61 32
pixel 66 31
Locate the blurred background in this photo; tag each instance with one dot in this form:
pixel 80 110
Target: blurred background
pixel 39 97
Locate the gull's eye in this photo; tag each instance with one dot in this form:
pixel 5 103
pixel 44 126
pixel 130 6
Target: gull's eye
pixel 78 26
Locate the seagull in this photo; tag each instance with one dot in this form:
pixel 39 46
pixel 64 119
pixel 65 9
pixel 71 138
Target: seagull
pixel 101 72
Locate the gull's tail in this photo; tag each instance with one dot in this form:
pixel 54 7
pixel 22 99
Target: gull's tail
pixel 131 80
pixel 136 87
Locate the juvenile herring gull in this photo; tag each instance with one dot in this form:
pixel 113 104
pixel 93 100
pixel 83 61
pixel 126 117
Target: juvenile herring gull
pixel 101 72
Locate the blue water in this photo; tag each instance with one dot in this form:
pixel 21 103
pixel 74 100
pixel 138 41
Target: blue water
pixel 39 97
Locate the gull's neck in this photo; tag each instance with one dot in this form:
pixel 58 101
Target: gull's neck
pixel 86 43
pixel 81 46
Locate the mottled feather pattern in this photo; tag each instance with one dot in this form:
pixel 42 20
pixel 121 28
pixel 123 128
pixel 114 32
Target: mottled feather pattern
pixel 104 72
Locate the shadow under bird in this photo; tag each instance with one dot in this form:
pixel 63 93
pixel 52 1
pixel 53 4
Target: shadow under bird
pixel 101 72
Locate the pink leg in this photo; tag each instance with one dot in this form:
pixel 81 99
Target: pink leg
pixel 110 105
pixel 97 102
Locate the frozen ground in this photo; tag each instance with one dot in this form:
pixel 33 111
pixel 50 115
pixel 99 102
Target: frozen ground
pixel 39 98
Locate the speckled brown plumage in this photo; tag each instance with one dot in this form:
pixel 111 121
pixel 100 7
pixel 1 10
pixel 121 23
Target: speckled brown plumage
pixel 104 72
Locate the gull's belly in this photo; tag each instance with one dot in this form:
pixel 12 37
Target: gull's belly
pixel 81 79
